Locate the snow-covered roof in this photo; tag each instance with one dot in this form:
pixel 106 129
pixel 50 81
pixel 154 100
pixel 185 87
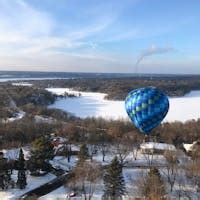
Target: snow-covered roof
pixel 158 146
pixel 60 139
pixel 188 147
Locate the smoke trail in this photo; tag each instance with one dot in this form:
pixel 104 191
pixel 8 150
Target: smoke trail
pixel 153 50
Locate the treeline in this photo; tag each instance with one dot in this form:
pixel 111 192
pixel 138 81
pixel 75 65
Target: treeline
pixel 23 132
pixel 23 95
pixel 97 130
pixel 26 130
pixel 117 88
pixel 91 130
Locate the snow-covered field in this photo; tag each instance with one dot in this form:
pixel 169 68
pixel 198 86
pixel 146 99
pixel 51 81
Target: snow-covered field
pixel 91 104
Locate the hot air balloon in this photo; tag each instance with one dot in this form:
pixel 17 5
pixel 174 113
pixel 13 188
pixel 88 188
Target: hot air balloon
pixel 146 107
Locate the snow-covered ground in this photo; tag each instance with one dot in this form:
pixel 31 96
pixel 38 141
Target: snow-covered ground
pixel 13 154
pixel 32 182
pixel 61 162
pixel 130 176
pixel 91 104
pixel 58 194
pixel 131 173
pixel 19 115
pixel 22 84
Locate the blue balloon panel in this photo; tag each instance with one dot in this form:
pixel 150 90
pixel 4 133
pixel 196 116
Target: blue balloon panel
pixel 146 107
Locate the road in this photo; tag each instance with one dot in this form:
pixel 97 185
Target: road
pixel 46 188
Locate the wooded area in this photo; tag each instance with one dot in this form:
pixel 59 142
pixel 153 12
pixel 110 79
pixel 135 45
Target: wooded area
pixel 117 88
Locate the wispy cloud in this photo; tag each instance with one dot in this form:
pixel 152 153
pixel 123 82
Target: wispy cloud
pixel 19 18
pixel 28 38
pixel 25 30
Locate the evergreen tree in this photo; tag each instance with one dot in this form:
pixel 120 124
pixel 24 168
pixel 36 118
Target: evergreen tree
pixel 40 155
pixel 21 178
pixel 3 172
pixel 5 175
pixel 114 184
pixel 83 153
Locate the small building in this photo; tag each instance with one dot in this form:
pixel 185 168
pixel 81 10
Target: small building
pixel 154 147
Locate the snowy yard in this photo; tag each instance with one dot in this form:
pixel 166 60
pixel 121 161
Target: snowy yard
pixel 32 182
pixel 132 172
pixel 58 194
pixel 130 176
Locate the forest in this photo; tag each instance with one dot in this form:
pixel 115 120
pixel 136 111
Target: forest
pixel 24 131
pixel 117 88
pixel 13 97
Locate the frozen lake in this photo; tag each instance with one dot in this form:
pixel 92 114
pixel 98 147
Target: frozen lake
pixel 91 104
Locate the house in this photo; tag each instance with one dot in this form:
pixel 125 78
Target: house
pixel 154 147
pixel 58 141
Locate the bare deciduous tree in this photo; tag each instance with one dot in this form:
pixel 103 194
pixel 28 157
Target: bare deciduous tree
pixel 149 156
pixel 193 172
pixel 85 177
pixel 92 150
pixel 151 186
pixel 171 169
pixel 122 150
pixel 104 148
pixel 135 150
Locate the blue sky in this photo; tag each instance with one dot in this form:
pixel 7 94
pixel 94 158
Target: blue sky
pixel 145 36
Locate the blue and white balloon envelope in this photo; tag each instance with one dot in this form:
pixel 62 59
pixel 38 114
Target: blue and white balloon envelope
pixel 146 107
